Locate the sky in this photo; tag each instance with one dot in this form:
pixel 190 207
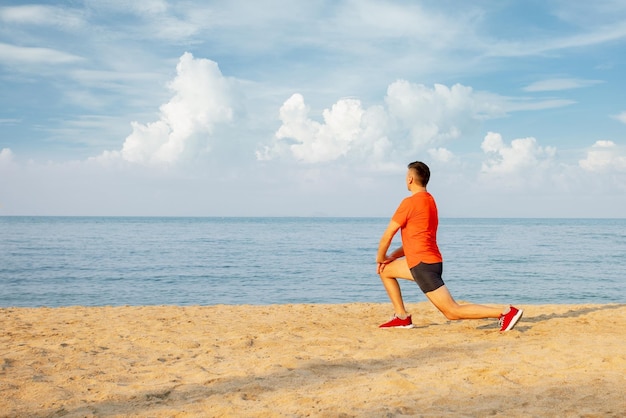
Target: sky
pixel 312 108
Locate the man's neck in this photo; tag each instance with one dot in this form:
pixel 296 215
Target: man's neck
pixel 418 189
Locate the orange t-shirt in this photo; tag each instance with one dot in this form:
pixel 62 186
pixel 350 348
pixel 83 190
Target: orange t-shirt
pixel 418 219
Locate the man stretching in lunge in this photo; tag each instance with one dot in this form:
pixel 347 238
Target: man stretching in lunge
pixel 419 259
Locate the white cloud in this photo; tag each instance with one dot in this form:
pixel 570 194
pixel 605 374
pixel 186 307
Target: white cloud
pixel 42 15
pixel 525 104
pixel 415 116
pixel 6 156
pixel 156 19
pixel 9 121
pixel 441 155
pixel 202 99
pixel 26 55
pixel 621 117
pixel 522 154
pixel 555 84
pixel 347 129
pixel 604 156
pixel 435 115
pixel 593 35
pixel 387 21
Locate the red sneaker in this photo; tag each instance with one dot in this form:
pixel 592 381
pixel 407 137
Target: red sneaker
pixel 509 319
pixel 396 322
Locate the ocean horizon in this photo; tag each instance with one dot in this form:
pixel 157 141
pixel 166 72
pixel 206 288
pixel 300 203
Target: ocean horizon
pixel 134 260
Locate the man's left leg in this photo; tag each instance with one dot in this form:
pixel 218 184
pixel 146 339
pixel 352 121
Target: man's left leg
pixel 397 269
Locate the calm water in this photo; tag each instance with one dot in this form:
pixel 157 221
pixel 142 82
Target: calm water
pixel 61 261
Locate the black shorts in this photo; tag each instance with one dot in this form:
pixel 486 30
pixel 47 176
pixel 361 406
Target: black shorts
pixel 428 276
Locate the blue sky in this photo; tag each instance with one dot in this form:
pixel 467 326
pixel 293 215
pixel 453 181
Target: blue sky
pixel 312 108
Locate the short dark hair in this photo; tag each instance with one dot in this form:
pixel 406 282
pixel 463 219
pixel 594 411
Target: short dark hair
pixel 421 170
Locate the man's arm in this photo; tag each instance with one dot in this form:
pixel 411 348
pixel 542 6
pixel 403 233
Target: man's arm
pixel 397 253
pixel 385 242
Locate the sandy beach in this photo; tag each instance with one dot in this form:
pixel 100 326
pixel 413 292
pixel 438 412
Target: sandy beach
pixel 309 360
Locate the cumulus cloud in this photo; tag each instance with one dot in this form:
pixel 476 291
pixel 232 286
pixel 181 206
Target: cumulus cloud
pixel 348 128
pixel 521 154
pixel 437 114
pixel 603 156
pixel 441 155
pixel 414 117
pixel 202 100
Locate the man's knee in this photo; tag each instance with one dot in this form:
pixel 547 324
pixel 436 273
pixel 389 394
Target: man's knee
pixel 450 313
pixel 386 277
pixel 443 301
pixel 448 309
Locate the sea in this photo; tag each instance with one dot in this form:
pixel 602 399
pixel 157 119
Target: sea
pixel 116 261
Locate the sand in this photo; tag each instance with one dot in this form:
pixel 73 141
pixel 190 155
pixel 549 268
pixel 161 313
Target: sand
pixel 309 360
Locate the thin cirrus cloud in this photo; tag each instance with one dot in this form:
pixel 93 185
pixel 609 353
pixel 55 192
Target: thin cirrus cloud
pixel 620 117
pixel 557 84
pixel 11 54
pixel 40 15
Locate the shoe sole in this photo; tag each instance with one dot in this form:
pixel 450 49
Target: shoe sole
pixel 516 318
pixel 399 326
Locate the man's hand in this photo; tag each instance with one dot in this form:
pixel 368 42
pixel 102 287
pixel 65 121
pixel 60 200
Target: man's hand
pixel 382 264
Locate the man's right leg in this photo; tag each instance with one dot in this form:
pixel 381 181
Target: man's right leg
pixel 444 301
pixel 397 269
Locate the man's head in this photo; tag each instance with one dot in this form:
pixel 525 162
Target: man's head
pixel 419 172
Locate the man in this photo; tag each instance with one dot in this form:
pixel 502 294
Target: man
pixel 419 259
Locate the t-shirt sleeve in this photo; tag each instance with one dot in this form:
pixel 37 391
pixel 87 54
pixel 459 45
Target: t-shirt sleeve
pixel 402 213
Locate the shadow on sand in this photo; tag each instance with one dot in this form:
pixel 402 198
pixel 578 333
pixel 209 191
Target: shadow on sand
pixel 572 313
